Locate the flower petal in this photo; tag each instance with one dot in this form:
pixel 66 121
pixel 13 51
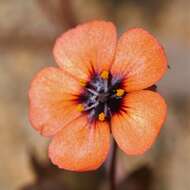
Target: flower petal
pixel 80 146
pixel 52 105
pixel 137 126
pixel 88 47
pixel 140 59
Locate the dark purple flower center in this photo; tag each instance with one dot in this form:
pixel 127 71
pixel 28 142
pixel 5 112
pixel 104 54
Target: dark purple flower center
pixel 102 96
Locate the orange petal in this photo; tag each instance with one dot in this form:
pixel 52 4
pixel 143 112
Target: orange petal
pixel 85 48
pixel 137 126
pixel 52 100
pixel 140 59
pixel 80 146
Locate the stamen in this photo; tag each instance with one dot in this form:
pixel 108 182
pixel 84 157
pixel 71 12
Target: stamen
pixel 105 85
pixel 104 74
pixel 90 107
pixel 120 92
pixel 92 91
pixel 109 112
pixel 82 82
pixel 80 107
pixel 101 116
pixel 106 109
pixel 101 97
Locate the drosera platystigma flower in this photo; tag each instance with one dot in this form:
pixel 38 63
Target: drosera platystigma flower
pixel 98 92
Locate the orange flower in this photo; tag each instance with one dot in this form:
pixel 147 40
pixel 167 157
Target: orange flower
pixel 98 90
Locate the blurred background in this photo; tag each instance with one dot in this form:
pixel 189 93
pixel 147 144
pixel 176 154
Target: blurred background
pixel 28 29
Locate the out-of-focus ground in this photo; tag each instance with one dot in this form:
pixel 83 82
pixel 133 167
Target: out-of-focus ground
pixel 27 33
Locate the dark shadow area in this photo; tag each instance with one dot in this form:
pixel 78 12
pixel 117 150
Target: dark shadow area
pixel 140 179
pixel 50 177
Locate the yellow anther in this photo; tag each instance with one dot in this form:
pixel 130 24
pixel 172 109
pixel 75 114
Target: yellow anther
pixel 101 116
pixel 120 92
pixel 80 107
pixel 104 74
pixel 82 82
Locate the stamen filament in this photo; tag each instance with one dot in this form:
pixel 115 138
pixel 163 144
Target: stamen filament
pixel 97 87
pixel 115 96
pixel 105 85
pixel 93 91
pixel 106 109
pixel 92 106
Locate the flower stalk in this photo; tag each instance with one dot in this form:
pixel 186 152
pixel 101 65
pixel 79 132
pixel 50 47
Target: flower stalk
pixel 113 167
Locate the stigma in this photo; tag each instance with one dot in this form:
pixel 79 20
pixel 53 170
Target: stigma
pixel 101 97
